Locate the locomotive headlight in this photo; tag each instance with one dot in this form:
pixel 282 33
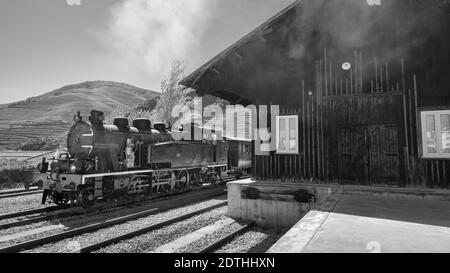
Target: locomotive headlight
pixel 77 166
pixel 73 168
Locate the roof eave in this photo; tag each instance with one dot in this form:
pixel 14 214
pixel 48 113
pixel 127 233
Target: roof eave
pixel 192 78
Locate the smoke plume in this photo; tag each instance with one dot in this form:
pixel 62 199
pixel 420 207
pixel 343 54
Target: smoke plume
pixel 393 28
pixel 145 36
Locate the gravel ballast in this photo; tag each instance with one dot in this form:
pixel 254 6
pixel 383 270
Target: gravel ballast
pixel 257 240
pixel 210 238
pixel 21 203
pixel 152 240
pixel 108 233
pixel 15 230
pixel 97 216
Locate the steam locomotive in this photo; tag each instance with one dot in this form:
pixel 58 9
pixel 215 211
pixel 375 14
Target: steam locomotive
pixel 107 162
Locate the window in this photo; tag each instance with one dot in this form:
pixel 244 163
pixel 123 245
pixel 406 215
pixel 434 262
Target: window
pixel 436 134
pixel 287 134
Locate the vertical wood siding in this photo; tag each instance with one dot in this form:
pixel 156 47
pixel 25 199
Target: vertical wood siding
pixel 353 130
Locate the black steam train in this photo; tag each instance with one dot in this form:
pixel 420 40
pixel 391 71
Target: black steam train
pixel 106 162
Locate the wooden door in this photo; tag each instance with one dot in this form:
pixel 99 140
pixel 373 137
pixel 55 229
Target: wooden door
pixel 384 158
pixel 353 155
pixel 369 155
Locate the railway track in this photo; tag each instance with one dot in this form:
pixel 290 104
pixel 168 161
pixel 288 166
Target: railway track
pixel 98 225
pixel 222 241
pixel 21 192
pixel 202 194
pixel 12 191
pixel 28 212
pixel 150 228
pixel 70 212
pixel 45 214
pixel 215 245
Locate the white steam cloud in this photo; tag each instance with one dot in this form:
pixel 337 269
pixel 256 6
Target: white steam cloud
pixel 145 36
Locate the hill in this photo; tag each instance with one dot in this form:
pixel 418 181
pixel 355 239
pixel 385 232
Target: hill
pixel 51 114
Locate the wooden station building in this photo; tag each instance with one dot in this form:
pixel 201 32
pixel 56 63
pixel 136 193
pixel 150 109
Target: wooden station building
pixel 363 91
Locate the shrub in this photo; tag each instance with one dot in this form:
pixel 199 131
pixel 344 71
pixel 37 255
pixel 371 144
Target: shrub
pixel 43 144
pixel 14 173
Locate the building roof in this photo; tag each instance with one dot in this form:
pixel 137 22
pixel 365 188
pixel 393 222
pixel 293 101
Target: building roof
pixel 303 50
pixel 191 79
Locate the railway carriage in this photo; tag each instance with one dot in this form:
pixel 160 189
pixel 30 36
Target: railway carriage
pixel 106 162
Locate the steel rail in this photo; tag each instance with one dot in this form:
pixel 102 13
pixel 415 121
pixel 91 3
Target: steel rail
pixel 3 192
pixel 65 212
pixel 99 225
pixel 222 241
pixel 32 220
pixel 135 233
pixel 28 212
pixel 5 195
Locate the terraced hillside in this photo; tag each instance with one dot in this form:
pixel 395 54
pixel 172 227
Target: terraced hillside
pixel 51 114
pixel 11 138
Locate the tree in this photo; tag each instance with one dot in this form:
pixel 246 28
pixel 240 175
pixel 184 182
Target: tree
pixel 172 93
pixel 159 109
pixel 119 111
pixel 130 114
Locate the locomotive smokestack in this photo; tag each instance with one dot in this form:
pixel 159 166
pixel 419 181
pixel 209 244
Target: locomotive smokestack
pixel 97 118
pixel 78 117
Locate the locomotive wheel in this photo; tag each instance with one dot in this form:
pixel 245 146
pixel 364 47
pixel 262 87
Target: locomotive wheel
pixel 195 178
pixel 182 181
pixel 162 188
pixel 214 179
pixel 165 188
pixel 86 197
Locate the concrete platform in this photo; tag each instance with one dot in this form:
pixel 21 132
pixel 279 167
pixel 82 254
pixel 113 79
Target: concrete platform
pixel 364 223
pixel 269 205
pixel 275 204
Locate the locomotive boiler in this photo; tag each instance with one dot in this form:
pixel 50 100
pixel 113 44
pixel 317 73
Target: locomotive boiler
pixel 109 148
pixel 107 162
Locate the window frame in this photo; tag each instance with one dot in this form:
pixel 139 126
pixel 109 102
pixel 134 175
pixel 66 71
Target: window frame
pixel 437 123
pixel 286 119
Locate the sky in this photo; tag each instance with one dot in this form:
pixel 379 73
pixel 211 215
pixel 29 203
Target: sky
pixel 47 44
